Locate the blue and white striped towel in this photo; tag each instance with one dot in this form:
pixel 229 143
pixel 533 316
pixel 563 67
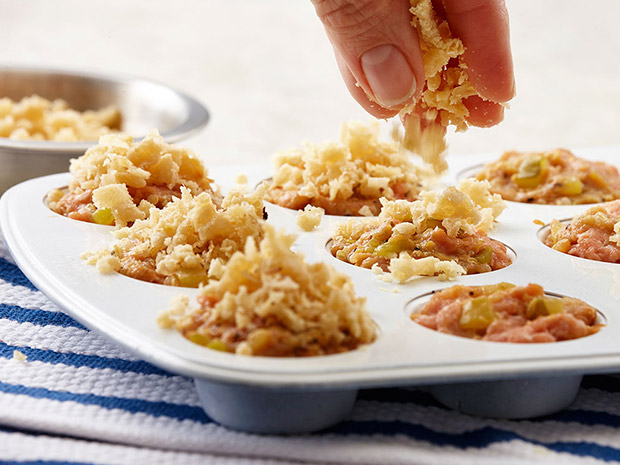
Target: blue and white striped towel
pixel 79 399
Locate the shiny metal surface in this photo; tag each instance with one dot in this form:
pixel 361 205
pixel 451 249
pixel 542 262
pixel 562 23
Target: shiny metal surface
pixel 144 104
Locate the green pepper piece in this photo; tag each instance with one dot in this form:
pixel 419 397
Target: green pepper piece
pixel 569 186
pixel 477 314
pixel 484 255
pixel 218 344
pixel 192 278
pixel 543 306
pixel 197 338
pixel 103 216
pixel 532 170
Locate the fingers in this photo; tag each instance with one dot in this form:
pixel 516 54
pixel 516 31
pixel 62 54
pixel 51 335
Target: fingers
pixel 483 113
pixel 482 25
pixel 379 56
pixel 359 95
pixel 377 49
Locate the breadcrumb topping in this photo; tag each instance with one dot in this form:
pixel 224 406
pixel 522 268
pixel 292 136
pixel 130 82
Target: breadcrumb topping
pixel 270 301
pixel 125 179
pixel 186 242
pixel 465 211
pixel 347 177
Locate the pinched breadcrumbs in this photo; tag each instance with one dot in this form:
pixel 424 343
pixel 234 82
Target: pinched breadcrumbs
pixel 447 86
pixel 36 118
pixel 441 234
pixel 310 217
pixel 271 302
pixel 118 181
pixel 347 177
pixel 186 242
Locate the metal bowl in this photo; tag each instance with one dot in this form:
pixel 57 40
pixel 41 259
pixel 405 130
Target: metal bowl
pixel 144 105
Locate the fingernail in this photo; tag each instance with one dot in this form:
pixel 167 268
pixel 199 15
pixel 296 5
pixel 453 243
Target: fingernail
pixel 389 75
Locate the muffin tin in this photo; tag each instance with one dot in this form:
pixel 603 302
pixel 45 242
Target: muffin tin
pixel 270 395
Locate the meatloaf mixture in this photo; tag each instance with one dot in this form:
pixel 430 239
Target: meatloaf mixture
pixel 271 302
pixel 476 253
pixel 556 177
pixel 507 313
pixel 594 234
pixel 118 181
pixel 441 234
pixel 347 177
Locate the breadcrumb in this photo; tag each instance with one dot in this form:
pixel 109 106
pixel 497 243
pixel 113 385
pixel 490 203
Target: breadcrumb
pixel 36 118
pixel 310 217
pixel 19 356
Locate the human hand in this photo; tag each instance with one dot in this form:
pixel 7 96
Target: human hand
pixel 378 52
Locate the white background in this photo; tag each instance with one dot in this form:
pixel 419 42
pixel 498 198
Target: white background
pixel 265 69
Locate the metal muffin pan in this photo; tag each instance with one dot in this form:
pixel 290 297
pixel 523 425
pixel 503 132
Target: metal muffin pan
pixel 273 395
pixel 144 105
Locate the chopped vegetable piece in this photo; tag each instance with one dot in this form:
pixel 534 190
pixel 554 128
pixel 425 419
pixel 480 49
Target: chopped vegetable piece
pixel 491 288
pixel 477 314
pixel 192 278
pixel 543 306
pixel 570 186
pixel 218 344
pixel 393 247
pixel 531 171
pixel 197 338
pixel 597 179
pixel 485 255
pixel 103 216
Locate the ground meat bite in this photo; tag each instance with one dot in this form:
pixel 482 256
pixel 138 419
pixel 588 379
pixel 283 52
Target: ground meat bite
pixel 345 177
pixel 507 313
pixel 476 253
pixel 271 302
pixel 118 181
pixel 441 234
pixel 555 177
pixel 186 242
pixel 593 235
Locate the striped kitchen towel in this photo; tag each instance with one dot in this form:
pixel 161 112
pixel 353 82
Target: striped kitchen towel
pixel 69 396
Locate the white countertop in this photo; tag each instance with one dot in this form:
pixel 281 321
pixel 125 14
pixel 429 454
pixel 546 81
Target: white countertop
pixel 266 72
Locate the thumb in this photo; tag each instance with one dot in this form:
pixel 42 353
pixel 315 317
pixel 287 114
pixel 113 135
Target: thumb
pixel 376 45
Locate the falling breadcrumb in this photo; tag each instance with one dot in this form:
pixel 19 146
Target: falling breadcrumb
pixel 447 87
